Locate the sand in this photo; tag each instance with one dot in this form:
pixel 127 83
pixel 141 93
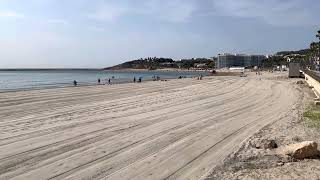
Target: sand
pixel 250 162
pixel 178 129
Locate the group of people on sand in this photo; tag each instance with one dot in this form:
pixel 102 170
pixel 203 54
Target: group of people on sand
pixel 135 80
pixel 181 77
pixel 75 83
pixel 107 81
pixel 156 78
pixel 139 80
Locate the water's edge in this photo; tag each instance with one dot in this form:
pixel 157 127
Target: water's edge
pixel 42 86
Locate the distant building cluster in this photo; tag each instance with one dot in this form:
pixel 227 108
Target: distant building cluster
pixel 239 60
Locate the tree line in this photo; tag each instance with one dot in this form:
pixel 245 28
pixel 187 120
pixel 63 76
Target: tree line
pixel 306 57
pixel 153 63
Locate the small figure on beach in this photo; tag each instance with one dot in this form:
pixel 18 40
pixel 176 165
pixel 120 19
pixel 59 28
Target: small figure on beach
pixel 109 81
pixel 99 81
pixel 140 79
pixel 134 79
pixel 75 83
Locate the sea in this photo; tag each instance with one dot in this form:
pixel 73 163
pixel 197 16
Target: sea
pixel 18 80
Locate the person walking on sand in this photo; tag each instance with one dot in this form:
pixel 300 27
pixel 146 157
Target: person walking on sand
pixel 75 83
pixel 109 81
pixel 134 79
pixel 99 81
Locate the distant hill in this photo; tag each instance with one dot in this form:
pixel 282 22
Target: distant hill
pixel 301 52
pixel 161 63
pixel 284 57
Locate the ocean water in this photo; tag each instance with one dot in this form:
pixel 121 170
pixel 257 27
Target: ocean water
pixel 38 79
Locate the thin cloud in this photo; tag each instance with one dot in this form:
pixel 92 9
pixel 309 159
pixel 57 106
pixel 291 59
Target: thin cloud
pixel 58 21
pixel 11 14
pixel 96 29
pixel 170 11
pixel 274 12
pixel 108 12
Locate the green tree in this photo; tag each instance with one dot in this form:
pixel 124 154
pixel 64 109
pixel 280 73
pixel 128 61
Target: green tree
pixel 313 57
pixel 318 44
pixel 274 61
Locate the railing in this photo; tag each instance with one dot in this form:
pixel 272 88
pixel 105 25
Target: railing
pixel 314 75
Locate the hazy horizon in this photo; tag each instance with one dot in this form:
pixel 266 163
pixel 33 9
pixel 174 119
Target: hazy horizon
pixel 102 33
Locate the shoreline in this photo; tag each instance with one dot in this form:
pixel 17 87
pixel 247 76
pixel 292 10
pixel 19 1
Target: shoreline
pixel 117 80
pixel 103 69
pixel 158 70
pixel 70 85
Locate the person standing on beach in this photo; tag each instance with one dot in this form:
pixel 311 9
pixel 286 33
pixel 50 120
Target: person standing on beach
pixel 134 79
pixel 109 81
pixel 75 83
pixel 99 81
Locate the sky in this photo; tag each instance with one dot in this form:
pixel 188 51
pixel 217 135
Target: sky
pixel 102 33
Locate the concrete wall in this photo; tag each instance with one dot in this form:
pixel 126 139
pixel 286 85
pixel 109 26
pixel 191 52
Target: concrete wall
pixel 314 83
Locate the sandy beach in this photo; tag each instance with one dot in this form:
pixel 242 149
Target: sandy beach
pixel 177 129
